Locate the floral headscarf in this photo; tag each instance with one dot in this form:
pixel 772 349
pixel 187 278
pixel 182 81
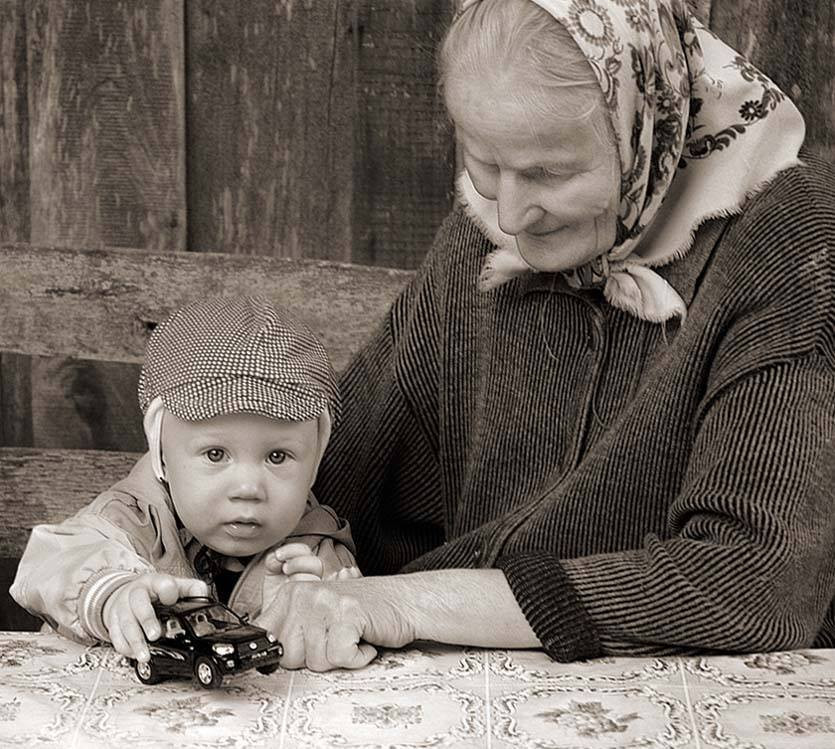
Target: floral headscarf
pixel 683 104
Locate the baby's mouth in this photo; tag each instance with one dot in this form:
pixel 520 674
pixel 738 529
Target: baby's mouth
pixel 243 528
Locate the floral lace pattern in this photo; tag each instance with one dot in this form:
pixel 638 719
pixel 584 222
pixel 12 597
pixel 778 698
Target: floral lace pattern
pixel 57 693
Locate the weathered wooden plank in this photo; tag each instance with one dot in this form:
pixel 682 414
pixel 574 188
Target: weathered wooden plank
pixel 15 400
pixel 270 128
pixel 101 304
pixel 794 44
pixel 107 123
pixel 15 393
pixel 84 404
pixel 14 124
pixel 46 486
pixel 315 129
pixel 106 101
pixel 406 173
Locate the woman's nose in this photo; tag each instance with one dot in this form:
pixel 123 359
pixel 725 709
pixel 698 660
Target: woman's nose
pixel 517 211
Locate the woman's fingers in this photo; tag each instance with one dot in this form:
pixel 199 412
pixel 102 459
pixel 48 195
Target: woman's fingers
pixel 329 625
pixel 346 650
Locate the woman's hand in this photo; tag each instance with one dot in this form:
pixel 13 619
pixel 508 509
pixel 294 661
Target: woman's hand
pixel 337 624
pixel 332 624
pixel 129 614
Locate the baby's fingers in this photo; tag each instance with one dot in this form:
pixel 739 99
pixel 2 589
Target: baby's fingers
pixel 127 637
pixel 306 565
pixel 143 615
pixel 168 589
pixel 348 573
pixel 294 549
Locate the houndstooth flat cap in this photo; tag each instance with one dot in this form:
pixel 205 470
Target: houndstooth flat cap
pixel 237 355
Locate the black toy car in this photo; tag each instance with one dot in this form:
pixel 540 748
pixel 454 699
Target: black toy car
pixel 204 638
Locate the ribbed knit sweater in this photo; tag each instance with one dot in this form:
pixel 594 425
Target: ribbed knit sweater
pixel 645 489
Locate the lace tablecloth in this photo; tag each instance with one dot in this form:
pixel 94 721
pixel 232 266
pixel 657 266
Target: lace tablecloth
pixel 54 692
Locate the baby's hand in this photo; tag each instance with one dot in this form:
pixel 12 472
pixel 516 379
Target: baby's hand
pixel 293 561
pixel 129 612
pixel 346 573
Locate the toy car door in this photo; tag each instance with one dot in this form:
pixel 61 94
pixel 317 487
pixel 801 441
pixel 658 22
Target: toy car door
pixel 173 653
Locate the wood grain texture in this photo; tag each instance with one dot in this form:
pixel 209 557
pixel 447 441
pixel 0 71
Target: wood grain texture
pixel 16 400
pixel 82 404
pixel 270 128
pixel 315 129
pixel 14 124
pixel 102 304
pixel 408 163
pixel 47 486
pixel 794 44
pixel 15 392
pixel 107 163
pixel 107 123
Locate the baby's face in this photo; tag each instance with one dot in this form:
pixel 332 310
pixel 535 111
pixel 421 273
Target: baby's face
pixel 239 482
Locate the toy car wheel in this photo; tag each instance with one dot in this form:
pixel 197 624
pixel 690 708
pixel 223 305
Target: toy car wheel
pixel 147 672
pixel 267 670
pixel 207 673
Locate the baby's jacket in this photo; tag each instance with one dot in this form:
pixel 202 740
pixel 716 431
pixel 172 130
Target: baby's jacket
pixel 69 569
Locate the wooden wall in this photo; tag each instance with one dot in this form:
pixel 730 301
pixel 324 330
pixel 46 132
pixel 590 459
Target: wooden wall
pixel 271 127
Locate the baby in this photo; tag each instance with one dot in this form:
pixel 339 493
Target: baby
pixel 238 401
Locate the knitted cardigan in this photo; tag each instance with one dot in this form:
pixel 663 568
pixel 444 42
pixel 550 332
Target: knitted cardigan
pixel 645 488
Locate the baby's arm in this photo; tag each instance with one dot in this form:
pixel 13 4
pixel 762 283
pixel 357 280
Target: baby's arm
pixel 129 614
pixel 70 569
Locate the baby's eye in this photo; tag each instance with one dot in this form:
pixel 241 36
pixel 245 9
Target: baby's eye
pixel 215 454
pixel 277 457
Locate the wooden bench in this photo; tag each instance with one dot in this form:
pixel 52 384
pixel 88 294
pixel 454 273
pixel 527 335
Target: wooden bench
pixel 102 305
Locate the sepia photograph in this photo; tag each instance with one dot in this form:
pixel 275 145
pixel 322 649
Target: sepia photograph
pixel 417 373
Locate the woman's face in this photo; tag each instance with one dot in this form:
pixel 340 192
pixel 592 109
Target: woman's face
pixel 556 184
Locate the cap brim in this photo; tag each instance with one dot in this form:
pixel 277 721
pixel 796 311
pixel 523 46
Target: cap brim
pixel 288 402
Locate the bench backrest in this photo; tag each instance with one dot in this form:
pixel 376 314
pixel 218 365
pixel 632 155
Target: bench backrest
pixel 103 304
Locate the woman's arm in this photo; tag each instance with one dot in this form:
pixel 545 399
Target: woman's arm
pixel 748 569
pixel 334 625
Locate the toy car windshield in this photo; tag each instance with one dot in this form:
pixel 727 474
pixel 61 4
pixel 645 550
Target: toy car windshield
pixel 213 619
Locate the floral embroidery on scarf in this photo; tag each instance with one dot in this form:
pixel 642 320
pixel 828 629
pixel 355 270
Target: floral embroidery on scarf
pixel 751 111
pixel 592 22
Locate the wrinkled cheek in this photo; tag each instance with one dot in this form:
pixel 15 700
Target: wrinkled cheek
pixel 568 248
pixel 582 202
pixel 605 231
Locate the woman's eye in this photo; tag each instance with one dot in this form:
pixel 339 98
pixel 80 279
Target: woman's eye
pixel 543 173
pixel 277 457
pixel 215 454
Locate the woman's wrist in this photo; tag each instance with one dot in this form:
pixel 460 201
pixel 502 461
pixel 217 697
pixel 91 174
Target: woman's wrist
pixel 458 606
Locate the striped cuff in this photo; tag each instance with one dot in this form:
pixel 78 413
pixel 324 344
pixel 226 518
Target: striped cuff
pixel 96 591
pixel 551 605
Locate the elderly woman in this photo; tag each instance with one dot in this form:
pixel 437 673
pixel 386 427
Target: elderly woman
pixel 601 418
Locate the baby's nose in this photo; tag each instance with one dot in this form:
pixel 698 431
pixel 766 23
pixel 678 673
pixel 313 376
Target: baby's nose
pixel 247 484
